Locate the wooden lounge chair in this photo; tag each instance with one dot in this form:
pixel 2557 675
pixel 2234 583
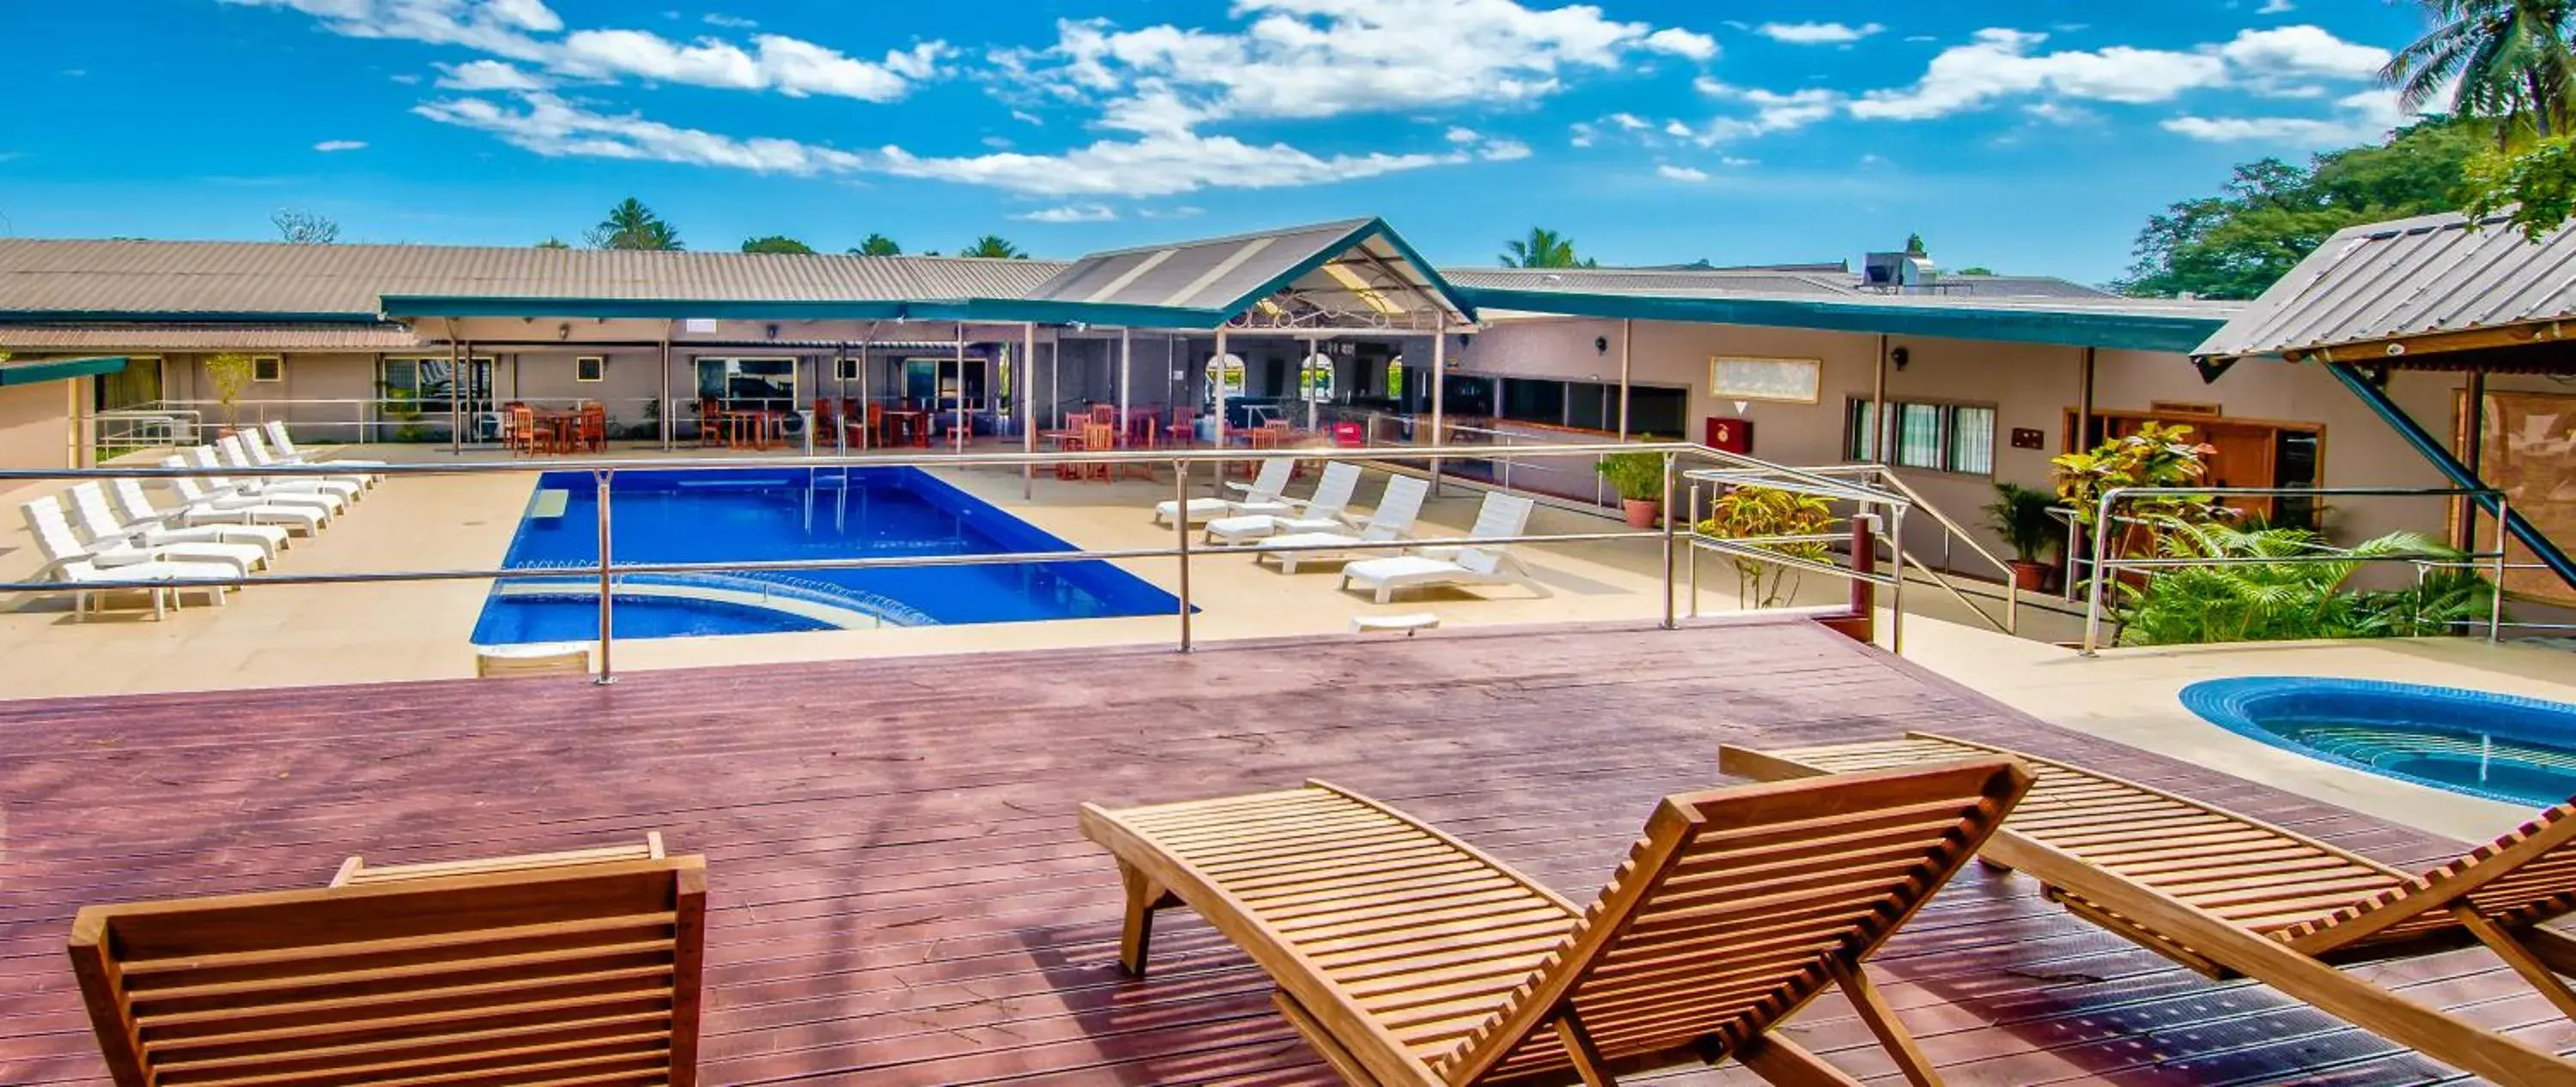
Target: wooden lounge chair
pixel 1407 957
pixel 2227 895
pixel 519 970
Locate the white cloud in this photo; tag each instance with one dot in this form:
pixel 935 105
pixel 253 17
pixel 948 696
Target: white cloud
pixel 487 75
pixel 1071 213
pixel 2276 7
pixel 729 22
pixel 1503 151
pixel 2359 118
pixel 1681 173
pixel 329 146
pixel 1687 44
pixel 1731 160
pixel 1628 121
pixel 1818 33
pixel 525 31
pixel 555 128
pixel 2297 51
pixel 1462 134
pixel 1999 63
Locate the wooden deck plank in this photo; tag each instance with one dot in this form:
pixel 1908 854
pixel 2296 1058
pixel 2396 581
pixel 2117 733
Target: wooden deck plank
pixel 898 893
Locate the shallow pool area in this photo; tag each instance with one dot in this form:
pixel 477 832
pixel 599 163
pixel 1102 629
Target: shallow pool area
pixel 2499 747
pixel 768 515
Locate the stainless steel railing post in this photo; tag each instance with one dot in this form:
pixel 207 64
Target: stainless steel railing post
pixel 1671 621
pixel 2101 540
pixel 2495 597
pixel 1896 590
pixel 607 597
pixel 1693 558
pixel 1181 517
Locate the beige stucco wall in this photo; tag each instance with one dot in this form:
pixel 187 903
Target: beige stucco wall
pixel 38 426
pixel 2030 386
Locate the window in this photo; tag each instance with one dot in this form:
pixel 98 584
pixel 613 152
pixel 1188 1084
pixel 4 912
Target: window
pixel 769 383
pixel 1794 381
pixel 1939 437
pixel 589 368
pixel 1527 401
pixel 847 369
pixel 1591 407
pixel 1664 413
pixel 267 369
pixel 428 384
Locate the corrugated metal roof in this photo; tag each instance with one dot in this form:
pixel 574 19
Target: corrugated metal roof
pixel 245 336
pixel 251 278
pixel 1656 281
pixel 1356 265
pixel 2411 277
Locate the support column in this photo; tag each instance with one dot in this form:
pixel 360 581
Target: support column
pixel 1216 374
pixel 1027 388
pixel 1878 406
pixel 2473 441
pixel 667 423
pixel 1439 389
pixel 455 395
pixel 2514 523
pixel 1306 380
pixel 1627 335
pixel 2084 406
pixel 1126 376
pixel 958 418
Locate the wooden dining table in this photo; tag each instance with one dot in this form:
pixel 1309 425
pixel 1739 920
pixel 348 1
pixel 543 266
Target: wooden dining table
pixel 913 425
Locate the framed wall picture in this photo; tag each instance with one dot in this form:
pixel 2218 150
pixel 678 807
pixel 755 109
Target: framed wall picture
pixel 1792 381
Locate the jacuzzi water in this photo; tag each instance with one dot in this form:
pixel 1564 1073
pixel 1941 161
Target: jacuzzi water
pixel 2500 747
pixel 769 514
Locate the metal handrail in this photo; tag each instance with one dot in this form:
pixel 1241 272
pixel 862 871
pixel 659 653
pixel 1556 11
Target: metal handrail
pixel 2011 622
pixel 606 568
pixel 2104 568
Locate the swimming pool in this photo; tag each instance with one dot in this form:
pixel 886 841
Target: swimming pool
pixel 2500 747
pixel 753 515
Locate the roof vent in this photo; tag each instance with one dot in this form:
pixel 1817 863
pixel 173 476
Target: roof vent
pixel 1897 273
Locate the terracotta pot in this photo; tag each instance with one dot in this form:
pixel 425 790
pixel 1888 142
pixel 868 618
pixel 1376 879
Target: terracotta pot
pixel 2029 576
pixel 1643 512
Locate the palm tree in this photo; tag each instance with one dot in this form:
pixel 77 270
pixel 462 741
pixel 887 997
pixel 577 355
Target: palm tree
pixel 2510 59
pixel 993 245
pixel 776 243
pixel 1543 248
pixel 878 245
pixel 631 225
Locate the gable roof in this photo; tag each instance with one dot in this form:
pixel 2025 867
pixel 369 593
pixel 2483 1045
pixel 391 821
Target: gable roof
pixel 1776 300
pixel 2434 276
pixel 1357 267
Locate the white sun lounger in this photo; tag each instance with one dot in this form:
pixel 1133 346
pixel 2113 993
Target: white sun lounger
pixel 236 454
pixel 91 512
pixel 1392 520
pixel 1259 496
pixel 287 453
pixel 263 490
pixel 1501 518
pixel 67 562
pixel 1326 511
pixel 135 507
pixel 225 503
pixel 257 450
pixel 54 536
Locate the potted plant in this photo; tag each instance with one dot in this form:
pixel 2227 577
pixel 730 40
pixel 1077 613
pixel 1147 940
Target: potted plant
pixel 2020 515
pixel 1639 479
pixel 1754 513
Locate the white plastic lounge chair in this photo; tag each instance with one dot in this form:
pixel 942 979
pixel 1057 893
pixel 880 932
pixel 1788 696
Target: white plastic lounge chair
pixel 1326 511
pixel 204 457
pixel 1392 520
pixel 54 536
pixel 1261 496
pixel 90 508
pixel 236 454
pixel 257 450
pixel 284 446
pixel 1502 517
pixel 66 561
pixel 225 503
pixel 135 508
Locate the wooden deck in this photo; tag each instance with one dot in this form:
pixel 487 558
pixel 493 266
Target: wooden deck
pixel 900 896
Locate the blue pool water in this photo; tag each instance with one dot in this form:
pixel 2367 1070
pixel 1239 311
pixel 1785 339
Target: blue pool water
pixel 2500 747
pixel 757 515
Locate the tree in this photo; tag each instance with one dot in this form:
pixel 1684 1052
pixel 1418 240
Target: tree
pixel 2538 185
pixel 552 243
pixel 776 243
pixel 994 246
pixel 631 225
pixel 1914 246
pixel 1543 248
pixel 304 227
pixel 2509 60
pixel 1974 270
pixel 878 245
pixel 2271 214
pixel 231 373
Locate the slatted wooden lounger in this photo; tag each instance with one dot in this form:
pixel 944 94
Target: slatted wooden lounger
pixel 2228 895
pixel 1407 957
pixel 533 970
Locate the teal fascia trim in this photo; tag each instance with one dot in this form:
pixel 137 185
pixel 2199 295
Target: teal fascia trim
pixel 1376 228
pixel 43 370
pixel 991 310
pixel 2062 328
pixel 62 316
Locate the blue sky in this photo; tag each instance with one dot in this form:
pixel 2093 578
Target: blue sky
pixel 2027 135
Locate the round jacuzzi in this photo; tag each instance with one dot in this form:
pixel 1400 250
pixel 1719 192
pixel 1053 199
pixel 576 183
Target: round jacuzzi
pixel 2500 747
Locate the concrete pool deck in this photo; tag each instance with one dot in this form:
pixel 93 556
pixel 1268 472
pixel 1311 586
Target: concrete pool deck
pixel 286 636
